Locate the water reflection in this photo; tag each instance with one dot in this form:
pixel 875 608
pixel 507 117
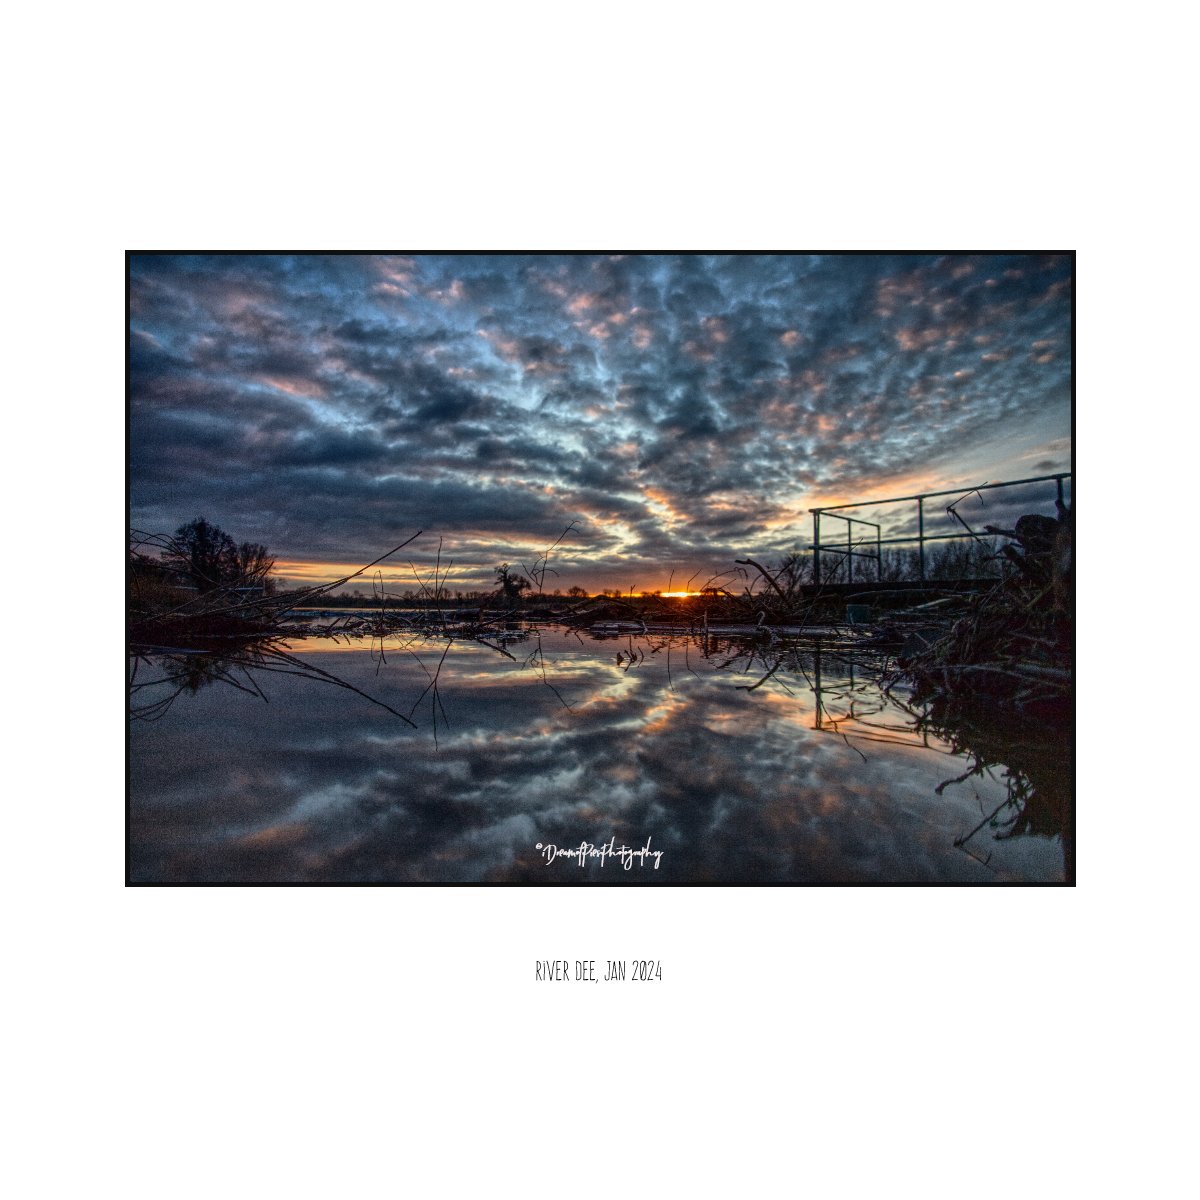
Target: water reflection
pixel 1035 760
pixel 745 761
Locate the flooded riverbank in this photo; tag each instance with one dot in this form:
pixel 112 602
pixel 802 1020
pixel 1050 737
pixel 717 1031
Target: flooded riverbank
pixel 735 760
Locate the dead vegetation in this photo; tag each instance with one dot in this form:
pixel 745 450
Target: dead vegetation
pixel 188 671
pixel 187 637
pixel 1033 758
pixel 164 611
pixel 997 686
pixel 1013 644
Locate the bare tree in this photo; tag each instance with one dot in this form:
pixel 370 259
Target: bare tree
pixel 511 584
pixel 206 556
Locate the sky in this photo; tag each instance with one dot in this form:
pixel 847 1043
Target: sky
pixel 678 412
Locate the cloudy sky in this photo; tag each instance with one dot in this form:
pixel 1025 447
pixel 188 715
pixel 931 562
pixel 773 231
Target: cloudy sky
pixel 682 411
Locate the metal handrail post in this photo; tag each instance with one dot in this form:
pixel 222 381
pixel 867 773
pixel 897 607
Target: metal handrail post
pixel 921 533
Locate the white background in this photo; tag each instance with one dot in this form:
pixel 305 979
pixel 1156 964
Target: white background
pixel 377 1042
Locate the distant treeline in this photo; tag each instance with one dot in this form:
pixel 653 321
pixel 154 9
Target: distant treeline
pixel 202 558
pixel 967 559
pixel 970 558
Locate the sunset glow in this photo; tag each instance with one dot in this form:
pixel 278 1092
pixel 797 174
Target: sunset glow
pixel 675 413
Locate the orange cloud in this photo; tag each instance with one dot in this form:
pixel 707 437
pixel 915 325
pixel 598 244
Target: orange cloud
pixel 581 304
pixel 294 387
pixel 308 572
pixel 917 339
pixel 715 327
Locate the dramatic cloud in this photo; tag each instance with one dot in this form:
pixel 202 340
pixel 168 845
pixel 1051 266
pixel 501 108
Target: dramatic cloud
pixel 681 410
pixel 731 785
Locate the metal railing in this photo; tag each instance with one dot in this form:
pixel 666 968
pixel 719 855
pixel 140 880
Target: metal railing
pixel 849 554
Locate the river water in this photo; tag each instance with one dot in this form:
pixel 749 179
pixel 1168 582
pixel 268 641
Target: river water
pixel 289 769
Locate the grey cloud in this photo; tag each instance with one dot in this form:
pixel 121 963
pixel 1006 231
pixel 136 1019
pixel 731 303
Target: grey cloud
pixel 334 394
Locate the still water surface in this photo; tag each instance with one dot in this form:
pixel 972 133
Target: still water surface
pixel 813 776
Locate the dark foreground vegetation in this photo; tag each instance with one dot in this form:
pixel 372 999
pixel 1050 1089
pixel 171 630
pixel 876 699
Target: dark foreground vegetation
pixel 997 684
pixel 1014 642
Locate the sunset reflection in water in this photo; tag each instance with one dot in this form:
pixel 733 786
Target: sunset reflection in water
pixel 569 740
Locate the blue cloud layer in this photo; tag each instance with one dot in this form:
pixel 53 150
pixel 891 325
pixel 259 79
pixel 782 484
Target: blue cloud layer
pixel 682 410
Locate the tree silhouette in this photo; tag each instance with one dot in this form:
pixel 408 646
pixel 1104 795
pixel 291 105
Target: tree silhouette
pixel 208 558
pixel 254 564
pixel 511 585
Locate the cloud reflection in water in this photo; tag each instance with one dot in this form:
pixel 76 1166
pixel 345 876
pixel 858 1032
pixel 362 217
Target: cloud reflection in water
pixel 734 786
